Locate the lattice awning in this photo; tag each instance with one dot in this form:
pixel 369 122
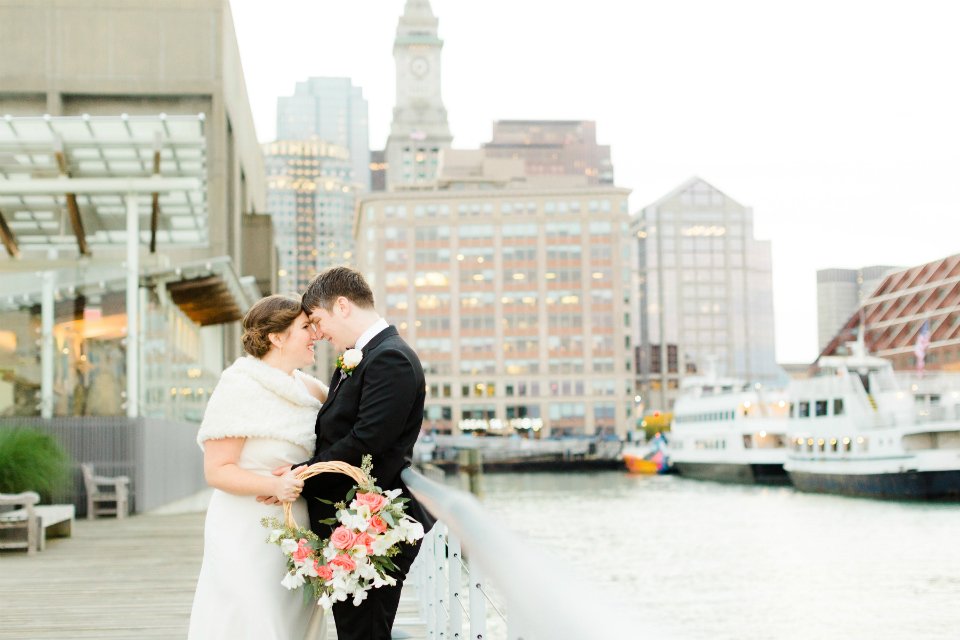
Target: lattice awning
pixel 34 149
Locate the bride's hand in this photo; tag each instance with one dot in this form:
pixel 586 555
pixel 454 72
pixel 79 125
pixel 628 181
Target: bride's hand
pixel 288 487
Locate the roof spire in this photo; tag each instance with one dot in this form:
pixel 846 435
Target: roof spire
pixel 418 11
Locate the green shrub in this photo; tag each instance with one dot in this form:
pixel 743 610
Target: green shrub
pixel 31 461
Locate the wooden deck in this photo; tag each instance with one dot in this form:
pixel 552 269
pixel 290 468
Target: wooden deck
pixel 132 578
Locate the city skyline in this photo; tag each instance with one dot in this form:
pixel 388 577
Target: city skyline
pixel 826 166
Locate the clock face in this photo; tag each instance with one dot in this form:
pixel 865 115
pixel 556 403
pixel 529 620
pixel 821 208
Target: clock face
pixel 420 66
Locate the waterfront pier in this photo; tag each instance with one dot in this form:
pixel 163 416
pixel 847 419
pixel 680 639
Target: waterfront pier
pixel 116 580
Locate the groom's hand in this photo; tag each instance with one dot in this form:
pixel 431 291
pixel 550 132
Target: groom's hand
pixel 269 500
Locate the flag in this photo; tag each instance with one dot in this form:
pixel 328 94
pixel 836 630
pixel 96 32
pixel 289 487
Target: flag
pixel 920 349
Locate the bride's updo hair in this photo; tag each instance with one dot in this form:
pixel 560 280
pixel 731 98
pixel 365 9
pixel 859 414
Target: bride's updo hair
pixel 273 314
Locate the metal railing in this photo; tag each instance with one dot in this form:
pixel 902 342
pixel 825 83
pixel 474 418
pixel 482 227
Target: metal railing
pixel 543 599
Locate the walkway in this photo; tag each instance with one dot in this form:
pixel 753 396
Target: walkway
pixel 113 579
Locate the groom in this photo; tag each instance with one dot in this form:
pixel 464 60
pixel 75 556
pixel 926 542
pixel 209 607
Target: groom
pixel 377 409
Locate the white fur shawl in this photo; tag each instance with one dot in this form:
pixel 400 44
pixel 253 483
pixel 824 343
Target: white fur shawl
pixel 255 400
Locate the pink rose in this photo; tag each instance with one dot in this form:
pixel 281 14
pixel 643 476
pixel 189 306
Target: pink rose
pixel 303 551
pixel 365 540
pixel 342 538
pixel 378 524
pixel 373 500
pixel 344 562
pixel 323 570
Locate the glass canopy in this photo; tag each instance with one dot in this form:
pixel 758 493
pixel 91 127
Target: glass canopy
pixel 103 147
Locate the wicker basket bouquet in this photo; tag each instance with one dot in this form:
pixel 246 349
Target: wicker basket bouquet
pixel 356 557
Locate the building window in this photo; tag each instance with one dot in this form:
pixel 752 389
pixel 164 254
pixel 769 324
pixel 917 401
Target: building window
pixel 821 408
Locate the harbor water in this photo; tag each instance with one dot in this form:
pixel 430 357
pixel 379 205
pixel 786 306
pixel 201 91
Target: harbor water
pixel 706 560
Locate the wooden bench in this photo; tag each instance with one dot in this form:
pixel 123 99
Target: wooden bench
pixel 120 493
pixel 53 520
pixel 26 501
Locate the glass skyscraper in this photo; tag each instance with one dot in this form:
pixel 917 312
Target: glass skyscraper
pixel 329 110
pixel 705 293
pixel 311 197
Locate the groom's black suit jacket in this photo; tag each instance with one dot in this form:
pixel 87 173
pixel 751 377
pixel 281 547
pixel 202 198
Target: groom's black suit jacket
pixel 376 410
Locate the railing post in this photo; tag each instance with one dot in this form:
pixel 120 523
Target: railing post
pixel 440 557
pixel 471 471
pixel 455 576
pixel 478 604
pixel 416 579
pixel 429 580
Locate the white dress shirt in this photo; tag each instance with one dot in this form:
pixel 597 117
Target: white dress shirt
pixel 371 333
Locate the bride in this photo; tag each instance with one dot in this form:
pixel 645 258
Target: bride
pixel 261 416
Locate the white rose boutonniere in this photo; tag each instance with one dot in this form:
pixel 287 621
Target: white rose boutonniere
pixel 349 360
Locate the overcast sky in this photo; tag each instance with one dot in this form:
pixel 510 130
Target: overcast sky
pixel 838 122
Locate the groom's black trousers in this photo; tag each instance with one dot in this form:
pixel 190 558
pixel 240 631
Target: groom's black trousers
pixel 373 619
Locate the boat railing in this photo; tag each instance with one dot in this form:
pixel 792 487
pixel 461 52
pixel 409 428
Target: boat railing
pixel 938 413
pixel 539 599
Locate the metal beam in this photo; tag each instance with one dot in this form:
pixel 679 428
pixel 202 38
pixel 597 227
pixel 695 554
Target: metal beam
pixel 9 240
pixel 61 186
pixel 75 220
pixel 46 344
pixel 133 303
pixel 155 210
pixel 77 223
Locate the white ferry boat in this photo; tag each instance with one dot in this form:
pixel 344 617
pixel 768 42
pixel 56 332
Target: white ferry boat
pixel 723 429
pixel 856 430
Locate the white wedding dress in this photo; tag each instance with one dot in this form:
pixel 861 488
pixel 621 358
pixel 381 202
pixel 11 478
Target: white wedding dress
pixel 239 595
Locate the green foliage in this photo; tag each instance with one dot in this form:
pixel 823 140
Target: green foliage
pixel 31 461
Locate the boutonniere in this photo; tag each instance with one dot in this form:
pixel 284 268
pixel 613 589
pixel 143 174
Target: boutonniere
pixel 349 360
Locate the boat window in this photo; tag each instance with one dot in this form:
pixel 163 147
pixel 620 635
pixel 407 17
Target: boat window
pixel 820 444
pixel 804 411
pixel 791 409
pixel 846 444
pixel 833 445
pixel 723 444
pixel 821 408
pixel 747 441
pixel 838 406
pixel 862 444
pixel 810 445
pixel 934 399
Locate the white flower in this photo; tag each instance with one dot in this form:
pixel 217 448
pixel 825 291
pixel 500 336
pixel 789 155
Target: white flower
pixel 351 358
pixel 384 541
pixel 359 596
pixel 380 581
pixel 392 494
pixel 325 602
pixel 275 535
pixel 354 522
pixel 308 569
pixel 368 572
pixel 364 512
pixel 330 552
pixel 410 530
pixel 293 580
pixel 288 546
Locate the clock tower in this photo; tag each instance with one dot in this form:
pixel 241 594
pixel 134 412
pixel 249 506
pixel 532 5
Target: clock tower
pixel 419 129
